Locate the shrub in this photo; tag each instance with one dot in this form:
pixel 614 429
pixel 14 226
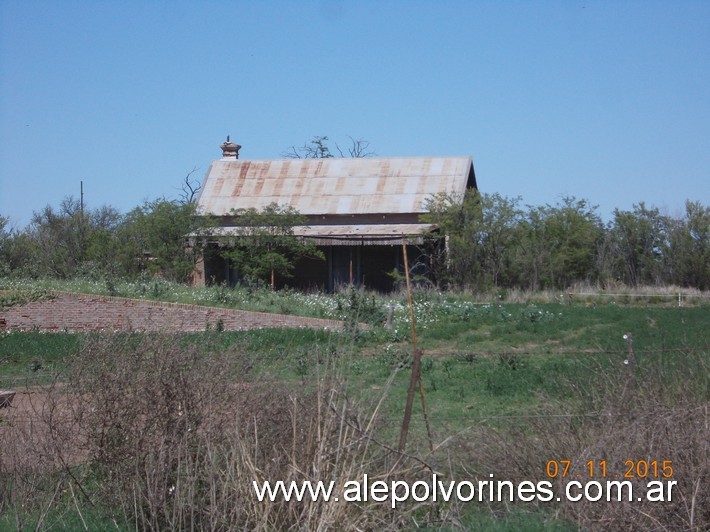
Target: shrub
pixel 174 436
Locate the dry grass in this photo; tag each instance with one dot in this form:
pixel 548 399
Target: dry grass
pixel 157 433
pixel 617 420
pixel 595 293
pixel 171 438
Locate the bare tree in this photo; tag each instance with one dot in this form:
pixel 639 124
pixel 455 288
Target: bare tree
pixel 318 148
pixel 190 188
pixel 358 149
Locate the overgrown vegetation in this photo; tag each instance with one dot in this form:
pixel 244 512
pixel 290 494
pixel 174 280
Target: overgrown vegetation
pixel 526 362
pixel 524 365
pixel 76 242
pixel 11 298
pixel 266 245
pixel 167 431
pixel 494 242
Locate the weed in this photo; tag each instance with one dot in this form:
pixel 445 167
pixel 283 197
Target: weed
pixel 509 361
pixel 168 429
pixel 302 364
pixel 111 286
pixel 157 290
pixel 466 357
pixel 357 367
pixel 23 296
pixel 395 358
pixel 171 424
pixel 432 384
pixel 447 365
pixel 427 365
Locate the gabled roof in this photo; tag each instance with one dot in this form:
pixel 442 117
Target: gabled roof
pixel 333 186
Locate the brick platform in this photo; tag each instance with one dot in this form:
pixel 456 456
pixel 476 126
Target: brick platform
pixel 83 312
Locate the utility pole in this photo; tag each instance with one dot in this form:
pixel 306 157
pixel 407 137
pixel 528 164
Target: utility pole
pixel 81 219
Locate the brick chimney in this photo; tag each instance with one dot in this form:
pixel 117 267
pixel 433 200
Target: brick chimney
pixel 230 150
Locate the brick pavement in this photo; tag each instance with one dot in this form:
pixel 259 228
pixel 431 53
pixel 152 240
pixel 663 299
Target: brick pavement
pixel 82 312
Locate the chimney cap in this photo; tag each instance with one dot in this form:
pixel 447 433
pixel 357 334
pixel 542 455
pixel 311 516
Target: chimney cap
pixel 230 149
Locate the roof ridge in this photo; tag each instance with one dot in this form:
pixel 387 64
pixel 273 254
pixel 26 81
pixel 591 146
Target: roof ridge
pixel 354 159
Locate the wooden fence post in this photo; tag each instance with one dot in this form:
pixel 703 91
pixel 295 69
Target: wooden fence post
pixel 415 377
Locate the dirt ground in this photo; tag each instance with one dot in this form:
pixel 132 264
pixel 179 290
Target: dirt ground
pixel 39 429
pixel 83 312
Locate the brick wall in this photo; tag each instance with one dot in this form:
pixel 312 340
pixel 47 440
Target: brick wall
pixel 81 312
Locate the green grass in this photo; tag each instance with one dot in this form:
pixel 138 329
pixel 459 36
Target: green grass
pixel 65 517
pixel 562 328
pixel 514 521
pixel 488 353
pixel 149 288
pixel 34 357
pixel 483 366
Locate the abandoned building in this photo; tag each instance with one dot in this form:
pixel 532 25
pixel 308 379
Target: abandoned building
pixel 358 211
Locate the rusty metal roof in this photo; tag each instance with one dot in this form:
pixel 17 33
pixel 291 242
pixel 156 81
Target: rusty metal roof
pixel 333 186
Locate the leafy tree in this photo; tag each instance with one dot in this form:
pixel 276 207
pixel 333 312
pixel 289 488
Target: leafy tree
pixel 573 231
pixel 480 231
pixel 154 238
pixel 499 238
pixel 491 242
pixel 531 254
pixel 5 239
pixel 266 246
pixel 4 233
pixel 688 260
pixel 63 242
pixel 18 254
pixel 458 219
pixel 639 245
pixel 557 245
pixel 59 236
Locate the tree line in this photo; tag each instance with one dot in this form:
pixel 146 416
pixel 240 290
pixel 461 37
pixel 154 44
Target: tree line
pixel 485 241
pixel 161 237
pixel 492 241
pixel 70 241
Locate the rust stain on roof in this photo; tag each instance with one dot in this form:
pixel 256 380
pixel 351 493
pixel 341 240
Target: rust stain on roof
pixel 334 186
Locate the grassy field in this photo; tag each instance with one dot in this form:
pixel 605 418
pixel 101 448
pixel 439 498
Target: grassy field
pixel 508 387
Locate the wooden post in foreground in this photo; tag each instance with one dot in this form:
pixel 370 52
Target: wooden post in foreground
pixel 415 377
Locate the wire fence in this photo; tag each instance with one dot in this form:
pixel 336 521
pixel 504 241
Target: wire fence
pixel 680 296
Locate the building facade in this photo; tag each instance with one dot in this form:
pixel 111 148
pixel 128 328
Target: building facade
pixel 358 211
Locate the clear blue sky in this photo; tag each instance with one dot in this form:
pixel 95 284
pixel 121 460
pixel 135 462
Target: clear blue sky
pixel 607 101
